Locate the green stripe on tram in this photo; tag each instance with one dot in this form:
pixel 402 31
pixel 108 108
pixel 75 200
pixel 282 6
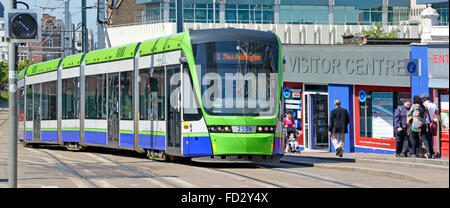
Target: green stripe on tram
pixel 126 132
pixel 111 54
pixel 196 135
pixel 95 130
pixel 153 133
pixel 70 129
pixel 49 129
pixel 72 61
pixel 43 67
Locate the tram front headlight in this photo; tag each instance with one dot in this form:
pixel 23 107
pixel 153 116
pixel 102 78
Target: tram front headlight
pixel 265 129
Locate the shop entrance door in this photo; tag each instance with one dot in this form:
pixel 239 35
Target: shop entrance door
pixel 316 120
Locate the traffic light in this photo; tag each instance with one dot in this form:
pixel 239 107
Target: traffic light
pixel 23 26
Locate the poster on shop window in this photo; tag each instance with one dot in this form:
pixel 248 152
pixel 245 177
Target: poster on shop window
pixel 382 115
pixel 444 115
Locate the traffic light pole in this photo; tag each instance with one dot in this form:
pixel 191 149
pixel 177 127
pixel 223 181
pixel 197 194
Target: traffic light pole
pixel 12 134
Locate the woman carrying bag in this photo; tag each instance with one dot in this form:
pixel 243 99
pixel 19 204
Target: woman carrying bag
pixel 419 125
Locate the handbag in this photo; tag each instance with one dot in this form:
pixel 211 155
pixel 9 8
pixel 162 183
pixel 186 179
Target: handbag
pixel 433 125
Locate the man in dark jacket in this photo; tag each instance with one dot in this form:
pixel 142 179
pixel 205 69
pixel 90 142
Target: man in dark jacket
pixel 400 129
pixel 339 120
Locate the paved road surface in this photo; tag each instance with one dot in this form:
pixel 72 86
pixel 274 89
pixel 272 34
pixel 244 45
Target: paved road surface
pixel 53 166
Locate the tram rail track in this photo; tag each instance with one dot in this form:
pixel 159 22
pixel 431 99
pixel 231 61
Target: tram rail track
pixel 88 180
pixel 298 173
pixel 73 171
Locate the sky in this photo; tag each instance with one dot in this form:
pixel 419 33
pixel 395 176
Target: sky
pixel 58 11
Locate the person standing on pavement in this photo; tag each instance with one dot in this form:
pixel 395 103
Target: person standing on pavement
pixel 418 127
pixel 401 127
pixel 432 110
pixel 339 120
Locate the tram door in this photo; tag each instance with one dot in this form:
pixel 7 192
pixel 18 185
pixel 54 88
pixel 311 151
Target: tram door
pixel 113 109
pixel 37 112
pixel 173 81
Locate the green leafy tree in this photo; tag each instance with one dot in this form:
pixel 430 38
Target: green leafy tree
pixel 3 71
pixel 378 32
pixel 4 68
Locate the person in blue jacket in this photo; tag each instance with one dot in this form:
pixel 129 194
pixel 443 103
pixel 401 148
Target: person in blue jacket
pixel 400 128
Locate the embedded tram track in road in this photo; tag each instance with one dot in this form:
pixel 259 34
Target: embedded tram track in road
pixel 238 170
pixel 270 168
pixel 303 174
pixel 141 172
pixel 93 181
pixel 72 170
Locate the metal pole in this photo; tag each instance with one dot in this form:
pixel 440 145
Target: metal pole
pixel 100 26
pixel 179 16
pixel 67 25
pixel 214 13
pixel 12 134
pixel 84 39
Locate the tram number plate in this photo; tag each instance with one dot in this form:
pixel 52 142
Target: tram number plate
pixel 244 129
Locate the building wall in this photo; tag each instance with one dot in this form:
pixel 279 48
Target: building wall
pixel 271 11
pixel 50 46
pixel 3 43
pixel 127 13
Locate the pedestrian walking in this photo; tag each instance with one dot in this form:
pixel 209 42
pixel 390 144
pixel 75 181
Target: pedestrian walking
pixel 339 120
pixel 431 111
pixel 401 127
pixel 418 127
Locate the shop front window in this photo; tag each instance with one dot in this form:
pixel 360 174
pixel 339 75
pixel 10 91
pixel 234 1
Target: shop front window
pixel 376 113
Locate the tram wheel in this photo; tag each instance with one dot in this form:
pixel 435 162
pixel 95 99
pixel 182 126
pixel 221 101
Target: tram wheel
pixel 73 146
pixel 157 155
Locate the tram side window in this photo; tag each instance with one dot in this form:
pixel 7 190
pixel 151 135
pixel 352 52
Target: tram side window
pixel 151 94
pixel 48 104
pixel 70 98
pixel 126 95
pixel 191 109
pixel 96 96
pixel 29 102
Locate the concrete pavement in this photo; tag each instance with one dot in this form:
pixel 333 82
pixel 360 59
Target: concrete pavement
pixel 424 170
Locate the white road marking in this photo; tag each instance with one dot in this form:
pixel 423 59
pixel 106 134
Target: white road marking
pixel 49 186
pixel 105 184
pixel 158 183
pixel 103 160
pixel 181 182
pixel 79 183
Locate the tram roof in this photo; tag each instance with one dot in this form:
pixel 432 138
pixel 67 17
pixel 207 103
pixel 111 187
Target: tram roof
pixel 232 34
pixel 43 67
pixel 72 61
pixel 111 54
pixel 163 44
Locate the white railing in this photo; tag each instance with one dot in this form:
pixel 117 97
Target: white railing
pixel 288 33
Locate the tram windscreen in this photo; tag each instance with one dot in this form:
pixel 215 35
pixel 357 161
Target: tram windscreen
pixel 237 78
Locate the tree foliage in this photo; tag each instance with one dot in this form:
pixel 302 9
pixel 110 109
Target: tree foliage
pixel 378 32
pixel 4 68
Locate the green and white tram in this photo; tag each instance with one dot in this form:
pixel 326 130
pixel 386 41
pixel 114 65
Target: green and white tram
pixel 204 94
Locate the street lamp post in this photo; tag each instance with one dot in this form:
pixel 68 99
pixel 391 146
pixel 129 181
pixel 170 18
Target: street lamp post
pixel 12 134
